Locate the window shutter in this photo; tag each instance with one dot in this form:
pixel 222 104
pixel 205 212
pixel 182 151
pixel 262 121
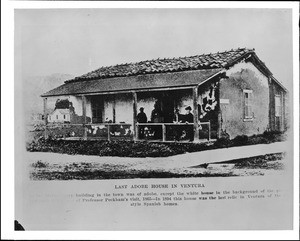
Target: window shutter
pixel 248 100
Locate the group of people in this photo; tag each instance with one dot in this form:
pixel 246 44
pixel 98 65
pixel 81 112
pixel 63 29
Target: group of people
pixel 157 116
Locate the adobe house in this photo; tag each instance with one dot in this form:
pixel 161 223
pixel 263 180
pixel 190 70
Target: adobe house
pixel 230 93
pixel 64 112
pixel 59 116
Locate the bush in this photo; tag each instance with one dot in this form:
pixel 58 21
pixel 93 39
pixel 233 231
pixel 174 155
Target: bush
pixel 222 142
pixel 40 164
pixel 254 140
pixel 124 148
pixel 240 140
pixel 274 136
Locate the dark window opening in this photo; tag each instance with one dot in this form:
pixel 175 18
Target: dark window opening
pixel 97 110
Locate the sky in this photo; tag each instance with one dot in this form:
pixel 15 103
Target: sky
pixel 76 41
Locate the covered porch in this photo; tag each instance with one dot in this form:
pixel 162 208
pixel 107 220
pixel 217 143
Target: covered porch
pixel 111 116
pixel 108 108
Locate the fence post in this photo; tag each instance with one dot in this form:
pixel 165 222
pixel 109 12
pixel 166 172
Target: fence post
pixel 45 118
pixel 84 117
pixel 134 100
pixel 108 132
pixel 209 130
pixel 137 131
pixel 163 132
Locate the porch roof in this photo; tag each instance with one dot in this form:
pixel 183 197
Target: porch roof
pixel 138 82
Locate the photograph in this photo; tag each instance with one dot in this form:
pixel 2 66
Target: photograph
pixel 128 114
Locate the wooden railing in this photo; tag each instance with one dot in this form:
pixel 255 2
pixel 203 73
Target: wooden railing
pixel 85 131
pixel 118 130
pixel 165 125
pixel 112 131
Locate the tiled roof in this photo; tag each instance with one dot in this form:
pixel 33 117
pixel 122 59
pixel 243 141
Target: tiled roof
pixel 204 61
pixel 159 73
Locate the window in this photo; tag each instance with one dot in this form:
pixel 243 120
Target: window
pixel 277 105
pixel 248 110
pixel 64 116
pixel 56 117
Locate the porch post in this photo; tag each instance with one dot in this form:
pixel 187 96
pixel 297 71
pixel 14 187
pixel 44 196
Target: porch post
pixel 84 117
pixel 135 134
pixel 163 132
pixel 108 132
pixel 114 109
pixel 195 107
pixel 219 128
pixel 45 118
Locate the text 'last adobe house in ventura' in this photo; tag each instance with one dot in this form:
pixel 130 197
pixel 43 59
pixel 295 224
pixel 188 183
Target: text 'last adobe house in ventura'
pixel 227 93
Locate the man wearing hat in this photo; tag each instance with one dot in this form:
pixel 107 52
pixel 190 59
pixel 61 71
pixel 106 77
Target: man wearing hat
pixel 189 118
pixel 141 118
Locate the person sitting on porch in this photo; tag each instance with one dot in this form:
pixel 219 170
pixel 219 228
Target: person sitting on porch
pixel 177 117
pixel 189 118
pixel 157 117
pixel 141 118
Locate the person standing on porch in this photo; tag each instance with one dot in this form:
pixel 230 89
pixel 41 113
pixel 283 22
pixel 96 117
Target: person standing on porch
pixel 141 118
pixel 189 118
pixel 157 117
pixel 177 130
pixel 156 114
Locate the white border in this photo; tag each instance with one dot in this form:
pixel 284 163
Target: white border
pixel 7 138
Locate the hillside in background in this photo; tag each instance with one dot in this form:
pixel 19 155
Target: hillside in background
pixel 34 86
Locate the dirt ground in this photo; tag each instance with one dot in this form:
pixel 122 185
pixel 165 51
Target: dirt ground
pixel 53 166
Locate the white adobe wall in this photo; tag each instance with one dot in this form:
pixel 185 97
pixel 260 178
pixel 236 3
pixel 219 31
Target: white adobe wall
pixel 124 108
pixel 243 65
pixel 108 109
pixel 244 76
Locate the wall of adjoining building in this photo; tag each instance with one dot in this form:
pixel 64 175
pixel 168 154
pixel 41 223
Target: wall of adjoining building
pixel 244 76
pixel 278 123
